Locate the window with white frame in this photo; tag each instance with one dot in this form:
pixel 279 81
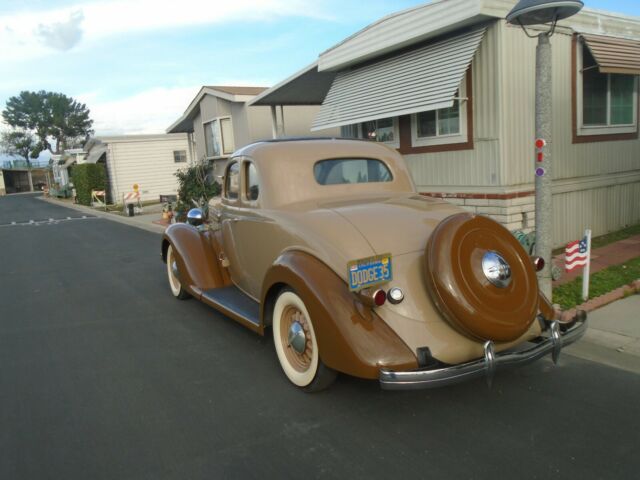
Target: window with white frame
pixel 607 102
pixel 442 126
pixel 218 134
pixel 384 130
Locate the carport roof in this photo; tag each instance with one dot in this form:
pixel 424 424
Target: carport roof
pixel 305 87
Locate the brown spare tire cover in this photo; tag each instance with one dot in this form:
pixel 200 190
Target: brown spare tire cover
pixel 463 294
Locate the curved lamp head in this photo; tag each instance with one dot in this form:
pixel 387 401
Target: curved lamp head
pixel 535 12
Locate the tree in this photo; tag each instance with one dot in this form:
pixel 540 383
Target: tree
pixel 48 115
pixel 20 143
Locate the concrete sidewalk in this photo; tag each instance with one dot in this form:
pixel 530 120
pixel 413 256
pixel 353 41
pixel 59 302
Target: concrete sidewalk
pixel 149 220
pixel 613 336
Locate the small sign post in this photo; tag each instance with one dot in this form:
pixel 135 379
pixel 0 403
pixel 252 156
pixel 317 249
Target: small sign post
pixel 585 273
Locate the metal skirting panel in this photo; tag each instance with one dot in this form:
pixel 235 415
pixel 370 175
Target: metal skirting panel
pixel 602 210
pixel 423 79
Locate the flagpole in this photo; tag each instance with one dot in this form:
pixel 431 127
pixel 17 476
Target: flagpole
pixel 585 273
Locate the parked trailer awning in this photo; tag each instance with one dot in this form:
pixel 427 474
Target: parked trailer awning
pixel 419 80
pixel 614 55
pixel 96 152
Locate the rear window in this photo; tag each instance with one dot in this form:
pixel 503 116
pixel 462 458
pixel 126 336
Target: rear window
pixel 351 170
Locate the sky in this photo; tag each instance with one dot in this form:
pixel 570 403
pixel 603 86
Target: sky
pixel 138 63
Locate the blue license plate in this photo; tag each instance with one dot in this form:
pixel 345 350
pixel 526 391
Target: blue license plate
pixel 368 272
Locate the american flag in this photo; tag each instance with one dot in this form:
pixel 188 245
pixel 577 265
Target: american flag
pixel 576 254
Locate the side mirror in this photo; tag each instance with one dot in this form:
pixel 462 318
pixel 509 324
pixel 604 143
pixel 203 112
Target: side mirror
pixel 195 217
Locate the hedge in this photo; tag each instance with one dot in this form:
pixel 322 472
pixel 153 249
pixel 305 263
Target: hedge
pixel 87 177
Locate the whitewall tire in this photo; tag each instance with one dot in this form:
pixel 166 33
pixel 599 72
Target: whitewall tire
pixel 174 281
pixel 300 360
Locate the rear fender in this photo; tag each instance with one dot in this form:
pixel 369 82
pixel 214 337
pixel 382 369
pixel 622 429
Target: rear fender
pixel 197 256
pixel 351 337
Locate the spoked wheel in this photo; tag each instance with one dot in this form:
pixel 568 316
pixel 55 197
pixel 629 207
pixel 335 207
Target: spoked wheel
pixel 172 274
pixel 296 345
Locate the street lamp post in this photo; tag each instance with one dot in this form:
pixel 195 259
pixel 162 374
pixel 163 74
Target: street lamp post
pixel 538 12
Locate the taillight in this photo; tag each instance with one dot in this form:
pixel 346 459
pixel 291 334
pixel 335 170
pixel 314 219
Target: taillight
pixel 538 263
pixel 373 298
pixel 379 297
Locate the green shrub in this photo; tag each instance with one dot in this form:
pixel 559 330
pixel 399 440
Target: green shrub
pixel 195 188
pixel 87 177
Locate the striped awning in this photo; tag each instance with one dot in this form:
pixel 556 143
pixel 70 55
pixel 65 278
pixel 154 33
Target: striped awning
pixel 614 55
pixel 419 80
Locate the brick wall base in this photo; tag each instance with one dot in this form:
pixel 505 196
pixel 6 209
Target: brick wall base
pixel 516 211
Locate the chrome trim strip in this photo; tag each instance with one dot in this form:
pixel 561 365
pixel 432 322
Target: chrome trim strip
pixel 485 367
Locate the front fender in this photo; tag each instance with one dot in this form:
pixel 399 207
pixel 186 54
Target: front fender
pixel 196 256
pixel 351 337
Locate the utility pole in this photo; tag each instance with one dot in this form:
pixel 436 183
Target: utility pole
pixel 543 172
pixel 540 12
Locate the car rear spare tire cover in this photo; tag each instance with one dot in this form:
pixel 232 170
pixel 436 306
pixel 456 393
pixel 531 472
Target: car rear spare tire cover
pixel 461 290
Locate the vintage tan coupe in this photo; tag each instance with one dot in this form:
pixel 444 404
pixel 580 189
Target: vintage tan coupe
pixel 326 242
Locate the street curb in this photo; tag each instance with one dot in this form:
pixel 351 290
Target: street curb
pixel 154 228
pixel 602 300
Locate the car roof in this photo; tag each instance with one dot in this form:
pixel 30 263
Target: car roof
pixel 285 167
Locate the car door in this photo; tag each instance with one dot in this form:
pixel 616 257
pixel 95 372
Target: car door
pixel 244 227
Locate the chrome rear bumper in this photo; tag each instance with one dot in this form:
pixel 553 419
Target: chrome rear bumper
pixel 486 367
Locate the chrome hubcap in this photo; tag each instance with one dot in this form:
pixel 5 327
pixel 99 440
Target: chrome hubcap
pixel 496 269
pixel 174 269
pixel 297 337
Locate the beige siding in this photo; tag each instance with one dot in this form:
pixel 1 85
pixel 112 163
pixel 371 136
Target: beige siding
pixel 148 163
pixel 198 137
pixel 479 167
pixel 208 108
pixel 596 185
pixel 240 122
pixel 259 123
pixel 298 120
pixel 569 160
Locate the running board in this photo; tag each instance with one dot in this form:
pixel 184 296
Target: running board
pixel 236 304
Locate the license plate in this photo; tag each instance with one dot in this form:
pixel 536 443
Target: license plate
pixel 367 272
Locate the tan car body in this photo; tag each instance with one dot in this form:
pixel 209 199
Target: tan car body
pixel 299 231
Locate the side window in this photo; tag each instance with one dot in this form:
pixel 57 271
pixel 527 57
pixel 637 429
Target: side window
pixel 608 100
pixel 232 181
pixel 252 184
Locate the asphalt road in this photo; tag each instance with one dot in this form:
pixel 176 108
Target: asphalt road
pixel 104 375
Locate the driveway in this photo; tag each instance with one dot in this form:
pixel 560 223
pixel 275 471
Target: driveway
pixel 104 375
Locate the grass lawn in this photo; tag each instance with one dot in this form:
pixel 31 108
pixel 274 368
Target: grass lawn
pixel 602 240
pixel 570 294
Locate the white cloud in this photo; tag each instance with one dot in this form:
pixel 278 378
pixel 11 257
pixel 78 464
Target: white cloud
pixel 21 33
pixel 62 35
pixel 150 111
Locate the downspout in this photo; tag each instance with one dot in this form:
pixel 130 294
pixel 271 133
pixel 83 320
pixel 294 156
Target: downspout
pixel 115 191
pixel 282 132
pixel 274 122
